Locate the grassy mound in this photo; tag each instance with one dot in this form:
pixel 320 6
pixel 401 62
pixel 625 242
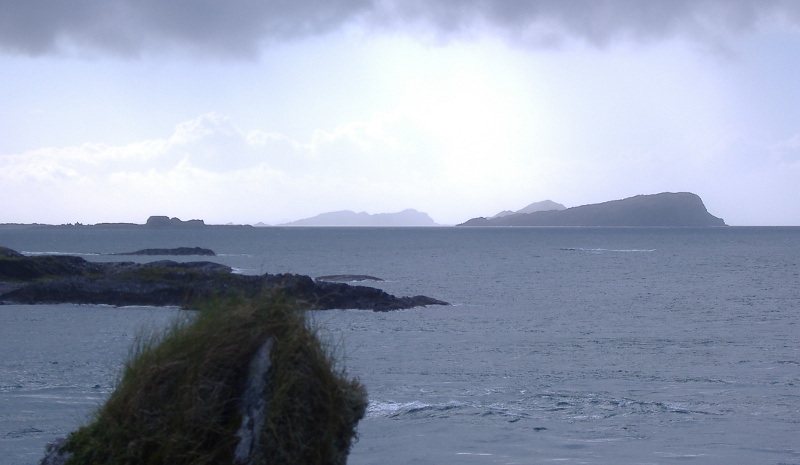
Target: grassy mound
pixel 177 401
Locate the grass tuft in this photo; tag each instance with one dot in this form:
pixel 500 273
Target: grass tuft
pixel 177 400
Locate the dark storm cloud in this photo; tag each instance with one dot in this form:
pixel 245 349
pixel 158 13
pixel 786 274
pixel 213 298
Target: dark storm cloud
pixel 240 27
pixel 597 21
pixel 127 27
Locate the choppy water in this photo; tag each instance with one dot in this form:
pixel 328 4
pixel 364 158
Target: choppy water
pixel 599 346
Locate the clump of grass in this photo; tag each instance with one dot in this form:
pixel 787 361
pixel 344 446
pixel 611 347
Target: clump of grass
pixel 177 400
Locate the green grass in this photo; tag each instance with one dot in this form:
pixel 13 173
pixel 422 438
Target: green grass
pixel 177 400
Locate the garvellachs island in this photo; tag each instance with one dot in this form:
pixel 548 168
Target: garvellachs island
pixel 668 209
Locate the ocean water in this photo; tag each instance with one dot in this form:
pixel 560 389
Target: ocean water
pixel 563 345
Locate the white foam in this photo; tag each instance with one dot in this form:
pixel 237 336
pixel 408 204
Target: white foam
pixel 604 250
pixel 34 254
pixel 377 409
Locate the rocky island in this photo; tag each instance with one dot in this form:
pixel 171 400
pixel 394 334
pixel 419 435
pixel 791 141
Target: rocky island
pixel 167 222
pixel 50 279
pixel 173 251
pixel 668 209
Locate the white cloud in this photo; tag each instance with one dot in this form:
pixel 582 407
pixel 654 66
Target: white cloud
pixel 788 151
pixel 211 168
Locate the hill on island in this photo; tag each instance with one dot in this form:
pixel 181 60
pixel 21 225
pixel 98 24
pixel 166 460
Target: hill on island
pixel 544 205
pixel 409 217
pixel 681 209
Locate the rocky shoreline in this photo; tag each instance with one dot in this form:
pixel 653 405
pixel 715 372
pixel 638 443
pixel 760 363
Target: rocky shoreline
pixel 51 279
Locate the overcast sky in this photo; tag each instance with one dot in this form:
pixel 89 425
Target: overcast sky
pixel 251 111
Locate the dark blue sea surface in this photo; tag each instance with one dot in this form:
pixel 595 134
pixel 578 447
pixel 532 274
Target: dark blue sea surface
pixel 565 345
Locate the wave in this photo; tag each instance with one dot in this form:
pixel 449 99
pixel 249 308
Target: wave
pixel 35 254
pixel 603 250
pixel 377 409
pixel 594 406
pixel 421 410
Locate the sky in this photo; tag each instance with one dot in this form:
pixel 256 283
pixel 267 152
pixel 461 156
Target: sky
pixel 250 111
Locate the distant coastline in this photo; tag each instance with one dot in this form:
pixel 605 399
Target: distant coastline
pixel 153 222
pixel 348 218
pixel 666 209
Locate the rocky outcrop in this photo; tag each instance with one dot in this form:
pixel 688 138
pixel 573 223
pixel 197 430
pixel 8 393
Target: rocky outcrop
pixel 67 279
pixel 9 253
pixel 178 251
pixel 347 278
pixel 682 209
pixel 253 405
pixel 56 454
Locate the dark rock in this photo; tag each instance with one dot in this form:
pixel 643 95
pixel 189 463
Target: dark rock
pixel 55 453
pixel 682 209
pixel 66 279
pixel 174 251
pixel 21 268
pixel 346 278
pixel 340 295
pixel 6 287
pixel 6 252
pixel 23 432
pixel 252 406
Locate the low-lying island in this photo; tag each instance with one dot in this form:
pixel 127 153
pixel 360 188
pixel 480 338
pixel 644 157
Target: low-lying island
pixel 51 279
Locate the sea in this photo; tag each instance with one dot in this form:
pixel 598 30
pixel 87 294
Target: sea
pixel 561 346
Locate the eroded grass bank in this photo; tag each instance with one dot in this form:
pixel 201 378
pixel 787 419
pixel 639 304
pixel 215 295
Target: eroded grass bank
pixel 178 400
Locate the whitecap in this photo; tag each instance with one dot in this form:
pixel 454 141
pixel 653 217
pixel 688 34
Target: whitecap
pixel 378 409
pixel 599 250
pixel 36 254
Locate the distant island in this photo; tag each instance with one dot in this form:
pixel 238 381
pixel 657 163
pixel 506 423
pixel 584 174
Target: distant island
pixel 167 222
pixel 681 209
pixel 409 217
pixel 153 222
pixel 172 251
